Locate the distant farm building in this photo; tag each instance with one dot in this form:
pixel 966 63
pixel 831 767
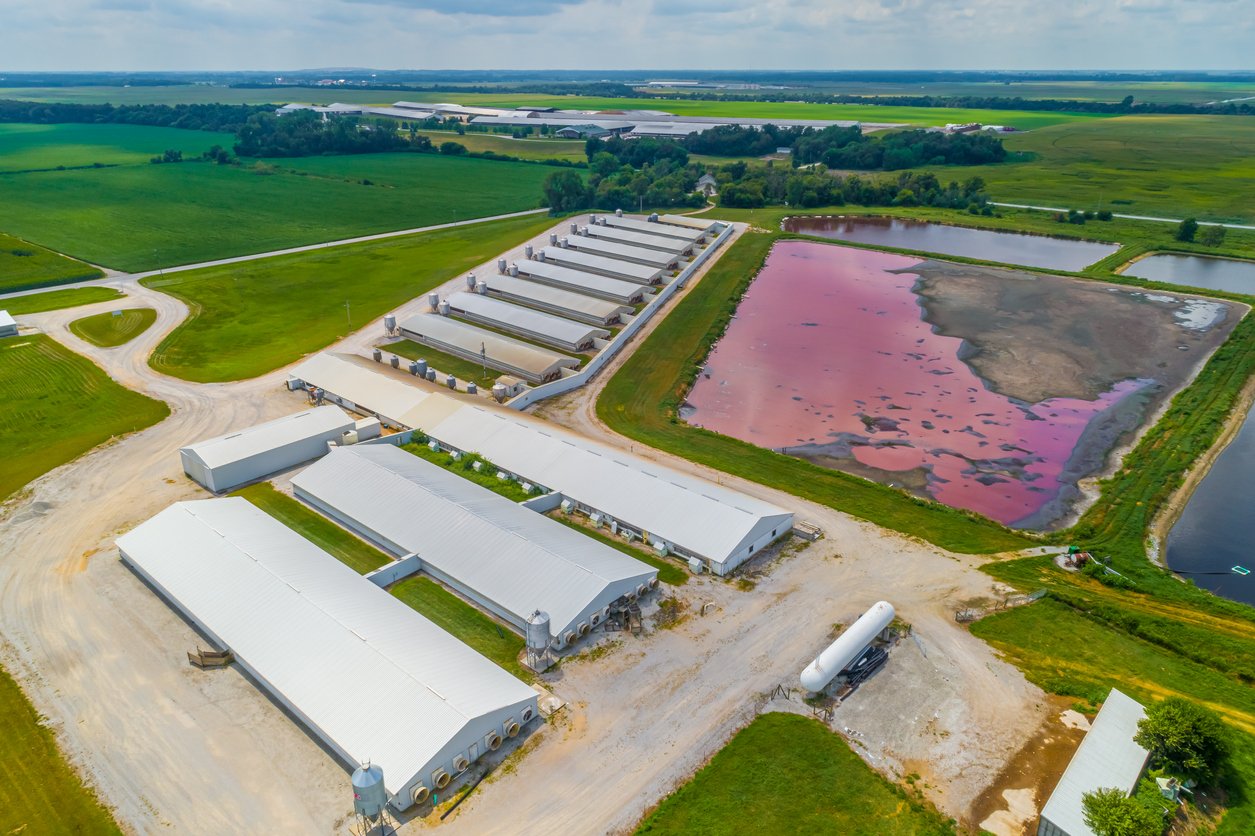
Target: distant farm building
pixel 581 132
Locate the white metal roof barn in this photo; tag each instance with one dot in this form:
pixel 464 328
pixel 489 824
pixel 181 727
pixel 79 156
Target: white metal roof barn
pixel 580 306
pixel 639 239
pixel 690 516
pixel 622 291
pixel 507 558
pixel 527 323
pixel 227 461
pixel 1107 757
pixel 668 230
pixel 702 225
pixel 612 267
pixel 627 252
pixel 369 676
pixel 360 385
pixel 530 362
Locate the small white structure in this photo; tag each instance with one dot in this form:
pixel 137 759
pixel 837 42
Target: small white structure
pixel 366 674
pixel 852 641
pixel 230 460
pixel 1108 757
pixel 8 325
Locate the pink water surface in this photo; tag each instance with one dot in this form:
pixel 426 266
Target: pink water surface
pixel 827 347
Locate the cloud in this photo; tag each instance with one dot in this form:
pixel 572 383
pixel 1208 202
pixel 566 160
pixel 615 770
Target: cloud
pixel 481 8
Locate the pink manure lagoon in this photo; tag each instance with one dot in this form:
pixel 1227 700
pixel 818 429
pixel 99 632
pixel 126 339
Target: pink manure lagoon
pixel 829 359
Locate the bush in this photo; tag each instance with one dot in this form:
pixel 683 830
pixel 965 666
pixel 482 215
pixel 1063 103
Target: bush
pixel 1185 736
pixel 1187 230
pixel 1109 812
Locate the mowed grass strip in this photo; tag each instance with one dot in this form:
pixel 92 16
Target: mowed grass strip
pixel 784 773
pixel 468 624
pixel 55 300
pixel 57 406
pixel 248 319
pixel 39 792
pixel 346 547
pixel 24 265
pixel 642 402
pixel 140 217
pixel 114 327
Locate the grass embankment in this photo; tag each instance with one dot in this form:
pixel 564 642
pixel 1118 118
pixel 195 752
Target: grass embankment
pixel 668 571
pixel 39 792
pixel 250 318
pixel 55 300
pixel 58 405
pixel 115 327
pixel 136 216
pixel 24 265
pixel 444 364
pixel 784 773
pixel 642 400
pixel 346 547
pixel 485 478
pixel 464 621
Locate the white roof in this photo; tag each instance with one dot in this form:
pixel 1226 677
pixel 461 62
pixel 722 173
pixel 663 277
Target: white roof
pixel 401 112
pixel 508 554
pixel 1107 757
pixel 643 273
pixel 618 289
pixel 353 379
pixel 652 228
pixel 300 426
pixel 668 128
pixel 512 317
pixel 695 514
pixel 556 297
pixel 702 225
pixel 6 319
pixel 374 678
pixel 638 239
pixel 615 249
pixel 468 340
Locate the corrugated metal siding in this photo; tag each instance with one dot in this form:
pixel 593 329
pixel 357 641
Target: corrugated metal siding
pixel 321 424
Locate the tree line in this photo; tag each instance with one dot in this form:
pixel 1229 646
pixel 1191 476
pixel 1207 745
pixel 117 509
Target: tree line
pixel 228 118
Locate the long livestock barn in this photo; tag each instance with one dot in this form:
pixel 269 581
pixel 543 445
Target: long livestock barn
pixel 229 461
pixel 627 252
pixel 511 560
pixel 357 384
pixel 569 278
pixel 638 239
pixel 368 676
pixel 610 267
pixel 555 300
pixel 667 230
pixel 702 225
pixel 527 323
pixel 530 362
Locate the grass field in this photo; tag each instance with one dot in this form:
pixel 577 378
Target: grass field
pixel 242 317
pixel 510 489
pixel 349 549
pixel 26 147
pixel 24 266
pixel 668 571
pixel 468 624
pixel 55 300
pixel 444 364
pixel 526 149
pixel 57 406
pixel 784 773
pixel 114 327
pixel 39 792
pixel 138 216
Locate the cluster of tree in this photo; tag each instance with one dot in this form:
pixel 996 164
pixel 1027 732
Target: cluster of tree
pixel 616 185
pixel 170 156
pixel 1079 217
pixel 818 187
pixel 1209 236
pixel 196 117
pixel 305 133
pixel 636 153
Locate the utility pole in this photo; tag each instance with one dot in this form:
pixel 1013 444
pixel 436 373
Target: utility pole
pixel 483 359
pixel 348 315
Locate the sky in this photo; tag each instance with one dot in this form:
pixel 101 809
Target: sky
pixel 627 34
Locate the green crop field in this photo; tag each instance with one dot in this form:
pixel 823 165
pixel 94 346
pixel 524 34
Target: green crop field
pixel 24 265
pixel 1170 166
pixel 114 328
pixel 533 148
pixel 55 300
pixel 39 792
pixel 41 147
pixel 784 773
pixel 57 406
pixel 346 547
pixel 144 216
pixel 250 318
pixel 471 626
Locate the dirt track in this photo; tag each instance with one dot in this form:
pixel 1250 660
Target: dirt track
pixel 205 752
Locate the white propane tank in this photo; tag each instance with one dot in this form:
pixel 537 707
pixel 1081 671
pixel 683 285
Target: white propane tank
pixel 847 647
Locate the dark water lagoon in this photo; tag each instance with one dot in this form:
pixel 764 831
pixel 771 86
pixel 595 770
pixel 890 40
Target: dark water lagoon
pixel 985 244
pixel 1217 529
pixel 1196 271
